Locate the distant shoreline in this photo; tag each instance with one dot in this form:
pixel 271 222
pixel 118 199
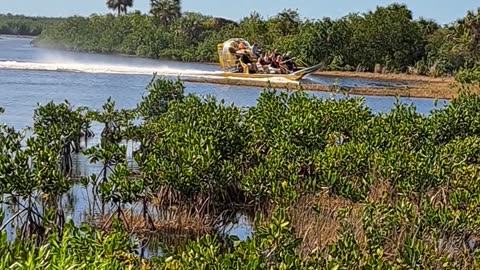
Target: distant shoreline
pixel 17 36
pixel 397 77
pixel 423 87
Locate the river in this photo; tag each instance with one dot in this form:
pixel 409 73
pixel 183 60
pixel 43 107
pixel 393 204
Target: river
pixel 30 75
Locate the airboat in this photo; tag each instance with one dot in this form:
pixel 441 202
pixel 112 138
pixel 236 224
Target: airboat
pixel 233 66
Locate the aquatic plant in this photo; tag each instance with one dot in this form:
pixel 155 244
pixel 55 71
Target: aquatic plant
pixel 330 184
pixel 195 151
pixel 78 248
pixel 61 122
pixel 272 247
pixel 31 174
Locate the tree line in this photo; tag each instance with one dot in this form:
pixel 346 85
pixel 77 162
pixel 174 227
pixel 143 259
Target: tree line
pixel 386 39
pixel 22 25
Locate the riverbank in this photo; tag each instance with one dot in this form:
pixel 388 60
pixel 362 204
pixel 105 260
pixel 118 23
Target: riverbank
pixel 386 77
pixel 419 86
pixel 405 85
pixel 422 87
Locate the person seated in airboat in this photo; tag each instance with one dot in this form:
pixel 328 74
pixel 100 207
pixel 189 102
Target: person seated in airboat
pixel 237 56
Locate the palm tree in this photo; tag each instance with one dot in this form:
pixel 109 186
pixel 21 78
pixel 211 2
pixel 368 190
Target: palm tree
pixel 166 11
pixel 119 5
pixel 127 4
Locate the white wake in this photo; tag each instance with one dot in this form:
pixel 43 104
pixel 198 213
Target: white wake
pixel 101 68
pixel 125 69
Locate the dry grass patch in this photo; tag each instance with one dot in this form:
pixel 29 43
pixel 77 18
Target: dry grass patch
pixel 318 228
pixel 172 222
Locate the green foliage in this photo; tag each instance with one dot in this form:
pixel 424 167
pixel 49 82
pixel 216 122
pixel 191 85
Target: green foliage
pixel 63 125
pixel 285 131
pixel 62 117
pixel 402 127
pixel 396 190
pixel 458 120
pixel 345 169
pixel 273 246
pixel 160 92
pixel 116 123
pixel 387 38
pixel 165 11
pixel 468 75
pixel 14 170
pixel 27 26
pixel 41 165
pixel 120 6
pixel 195 148
pixel 121 187
pixel 79 248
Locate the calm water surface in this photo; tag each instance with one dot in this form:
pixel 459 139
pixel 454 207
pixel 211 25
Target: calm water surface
pixel 24 82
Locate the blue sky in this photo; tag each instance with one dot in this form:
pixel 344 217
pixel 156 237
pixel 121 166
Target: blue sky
pixel 443 11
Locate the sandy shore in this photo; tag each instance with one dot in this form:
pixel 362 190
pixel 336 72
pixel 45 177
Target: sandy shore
pixel 418 87
pixel 385 77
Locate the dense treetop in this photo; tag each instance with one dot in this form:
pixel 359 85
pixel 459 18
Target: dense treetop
pixel 387 39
